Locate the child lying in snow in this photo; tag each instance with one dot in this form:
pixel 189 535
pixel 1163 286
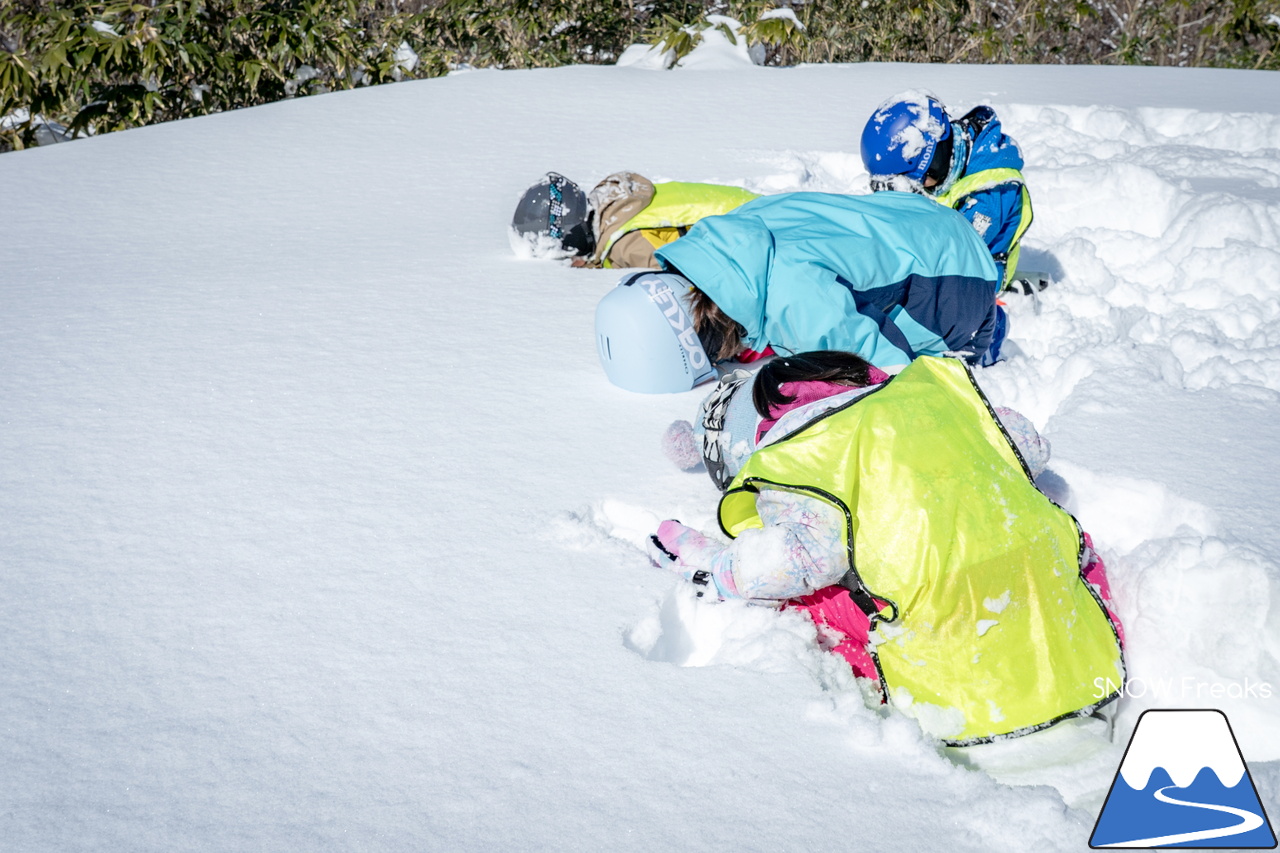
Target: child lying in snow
pixel 620 222
pixel 889 277
pixel 911 144
pixel 968 164
pixel 902 514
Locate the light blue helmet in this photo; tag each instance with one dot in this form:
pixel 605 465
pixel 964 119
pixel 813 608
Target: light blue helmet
pixel 646 338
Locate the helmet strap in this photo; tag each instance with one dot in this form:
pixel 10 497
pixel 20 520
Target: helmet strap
pixel 940 162
pixel 959 159
pixel 556 208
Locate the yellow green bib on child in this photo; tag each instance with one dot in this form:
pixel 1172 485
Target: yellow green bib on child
pixel 989 627
pixel 677 205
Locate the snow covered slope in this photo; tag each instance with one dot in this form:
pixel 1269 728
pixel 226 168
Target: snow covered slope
pixel 320 523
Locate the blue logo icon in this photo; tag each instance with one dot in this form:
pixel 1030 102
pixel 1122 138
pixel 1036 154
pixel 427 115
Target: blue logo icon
pixel 1183 783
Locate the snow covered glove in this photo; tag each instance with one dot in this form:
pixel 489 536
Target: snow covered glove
pixel 693 556
pixel 679 548
pixel 681 446
pixel 1031 444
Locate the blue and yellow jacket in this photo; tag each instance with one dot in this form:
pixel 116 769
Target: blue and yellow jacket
pixel 991 193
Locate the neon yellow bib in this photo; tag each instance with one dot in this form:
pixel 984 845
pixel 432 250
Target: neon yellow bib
pixel 990 179
pixel 990 628
pixel 676 205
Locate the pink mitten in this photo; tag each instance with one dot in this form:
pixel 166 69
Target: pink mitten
pixel 683 547
pixel 681 446
pixel 691 555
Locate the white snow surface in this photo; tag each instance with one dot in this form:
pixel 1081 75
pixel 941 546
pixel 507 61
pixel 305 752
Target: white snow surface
pixel 322 528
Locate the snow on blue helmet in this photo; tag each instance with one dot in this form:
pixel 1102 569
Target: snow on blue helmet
pixel 901 137
pixel 646 338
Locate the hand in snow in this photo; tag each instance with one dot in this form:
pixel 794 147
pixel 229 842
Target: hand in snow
pixel 674 546
pixel 691 555
pixel 659 555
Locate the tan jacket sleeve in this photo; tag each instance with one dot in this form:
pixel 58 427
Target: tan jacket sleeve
pixel 633 250
pixel 613 202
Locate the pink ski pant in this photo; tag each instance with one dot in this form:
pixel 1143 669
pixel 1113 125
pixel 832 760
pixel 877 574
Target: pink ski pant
pixel 834 608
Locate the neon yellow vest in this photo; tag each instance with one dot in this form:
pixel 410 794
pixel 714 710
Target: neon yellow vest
pixel 989 627
pixel 676 205
pixel 990 179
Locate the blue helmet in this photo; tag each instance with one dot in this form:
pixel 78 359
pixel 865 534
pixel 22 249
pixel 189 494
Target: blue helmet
pixel 902 136
pixel 646 338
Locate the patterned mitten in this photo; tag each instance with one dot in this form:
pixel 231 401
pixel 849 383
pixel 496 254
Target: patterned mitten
pixel 694 557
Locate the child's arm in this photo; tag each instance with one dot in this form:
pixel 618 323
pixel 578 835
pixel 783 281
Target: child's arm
pixel 995 214
pixel 1031 444
pixel 799 549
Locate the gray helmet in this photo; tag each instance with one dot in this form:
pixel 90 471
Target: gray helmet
pixel 556 207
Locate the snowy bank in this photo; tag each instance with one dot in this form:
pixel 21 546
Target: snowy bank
pixel 322 523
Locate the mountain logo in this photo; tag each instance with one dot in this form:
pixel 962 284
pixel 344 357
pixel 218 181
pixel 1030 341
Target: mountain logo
pixel 1183 783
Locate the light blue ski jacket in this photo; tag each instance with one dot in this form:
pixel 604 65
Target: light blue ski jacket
pixel 887 276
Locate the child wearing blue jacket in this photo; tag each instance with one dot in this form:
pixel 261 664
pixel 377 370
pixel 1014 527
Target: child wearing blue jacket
pixel 888 276
pixel 911 144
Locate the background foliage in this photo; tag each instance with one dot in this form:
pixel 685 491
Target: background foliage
pixel 69 67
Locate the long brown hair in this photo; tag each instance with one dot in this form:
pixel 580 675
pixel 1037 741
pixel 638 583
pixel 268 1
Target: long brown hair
pixel 720 334
pixel 819 365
